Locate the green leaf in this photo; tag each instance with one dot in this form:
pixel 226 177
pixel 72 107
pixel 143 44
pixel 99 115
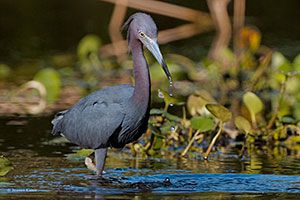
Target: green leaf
pixel 156 111
pixel 196 102
pixel 169 100
pixel 5 166
pixel 219 111
pixel 169 116
pixel 287 120
pixel 296 110
pixel 89 44
pixel 158 142
pixel 296 63
pixel 242 124
pixel 279 62
pixel 202 123
pixel 50 78
pixel 253 102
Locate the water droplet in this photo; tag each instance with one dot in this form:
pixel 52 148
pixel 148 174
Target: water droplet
pixel 172 129
pixel 171 104
pixel 160 94
pixel 167 182
pixel 171 86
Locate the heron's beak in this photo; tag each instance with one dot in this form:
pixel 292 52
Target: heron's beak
pixel 153 47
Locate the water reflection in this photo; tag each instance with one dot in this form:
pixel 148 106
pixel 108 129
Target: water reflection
pixel 42 169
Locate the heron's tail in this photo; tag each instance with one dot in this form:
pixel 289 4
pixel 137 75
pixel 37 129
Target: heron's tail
pixel 56 130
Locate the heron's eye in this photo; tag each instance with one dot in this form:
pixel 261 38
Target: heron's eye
pixel 142 35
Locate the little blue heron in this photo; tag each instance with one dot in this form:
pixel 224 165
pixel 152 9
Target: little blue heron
pixel 117 115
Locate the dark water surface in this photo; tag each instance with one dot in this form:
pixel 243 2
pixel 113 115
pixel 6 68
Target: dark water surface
pixel 41 170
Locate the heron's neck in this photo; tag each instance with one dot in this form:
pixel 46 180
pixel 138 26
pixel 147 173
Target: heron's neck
pixel 141 93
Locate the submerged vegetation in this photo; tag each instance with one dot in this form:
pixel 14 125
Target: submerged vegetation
pixel 249 100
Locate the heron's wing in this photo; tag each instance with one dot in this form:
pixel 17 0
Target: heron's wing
pixel 92 121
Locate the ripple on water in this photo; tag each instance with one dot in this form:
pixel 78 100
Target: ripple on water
pixel 116 182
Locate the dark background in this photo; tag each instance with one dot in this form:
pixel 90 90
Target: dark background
pixel 35 28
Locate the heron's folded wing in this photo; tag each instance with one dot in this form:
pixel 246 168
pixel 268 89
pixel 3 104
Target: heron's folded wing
pixel 92 125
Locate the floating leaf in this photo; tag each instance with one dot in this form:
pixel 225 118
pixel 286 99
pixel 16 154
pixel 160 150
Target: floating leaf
pixel 79 154
pixel 253 102
pixel 169 116
pixel 5 166
pixel 242 124
pixel 202 123
pixel 50 78
pixel 219 111
pixel 56 141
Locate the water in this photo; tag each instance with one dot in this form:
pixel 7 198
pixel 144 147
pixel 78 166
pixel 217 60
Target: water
pixel 41 170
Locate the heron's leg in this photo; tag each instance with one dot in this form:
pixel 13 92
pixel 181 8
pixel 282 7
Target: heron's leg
pixel 100 155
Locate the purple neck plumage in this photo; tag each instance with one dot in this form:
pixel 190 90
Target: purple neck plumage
pixel 141 93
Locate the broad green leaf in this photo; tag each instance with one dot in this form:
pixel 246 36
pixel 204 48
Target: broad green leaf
pixel 87 45
pixel 242 124
pixel 287 120
pixel 219 111
pixel 202 123
pixel 292 85
pixel 196 102
pixel 279 62
pixel 5 166
pixel 253 102
pixel 296 63
pixel 156 111
pixel 50 78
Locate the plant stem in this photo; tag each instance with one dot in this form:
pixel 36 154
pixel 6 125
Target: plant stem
pixel 253 119
pixel 282 91
pixel 190 143
pixel 213 141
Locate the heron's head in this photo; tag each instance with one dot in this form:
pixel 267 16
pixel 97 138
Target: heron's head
pixel 141 26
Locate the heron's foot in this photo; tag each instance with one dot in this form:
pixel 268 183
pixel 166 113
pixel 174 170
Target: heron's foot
pixel 90 164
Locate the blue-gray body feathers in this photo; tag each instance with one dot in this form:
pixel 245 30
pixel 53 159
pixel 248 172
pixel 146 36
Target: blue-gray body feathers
pixel 105 118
